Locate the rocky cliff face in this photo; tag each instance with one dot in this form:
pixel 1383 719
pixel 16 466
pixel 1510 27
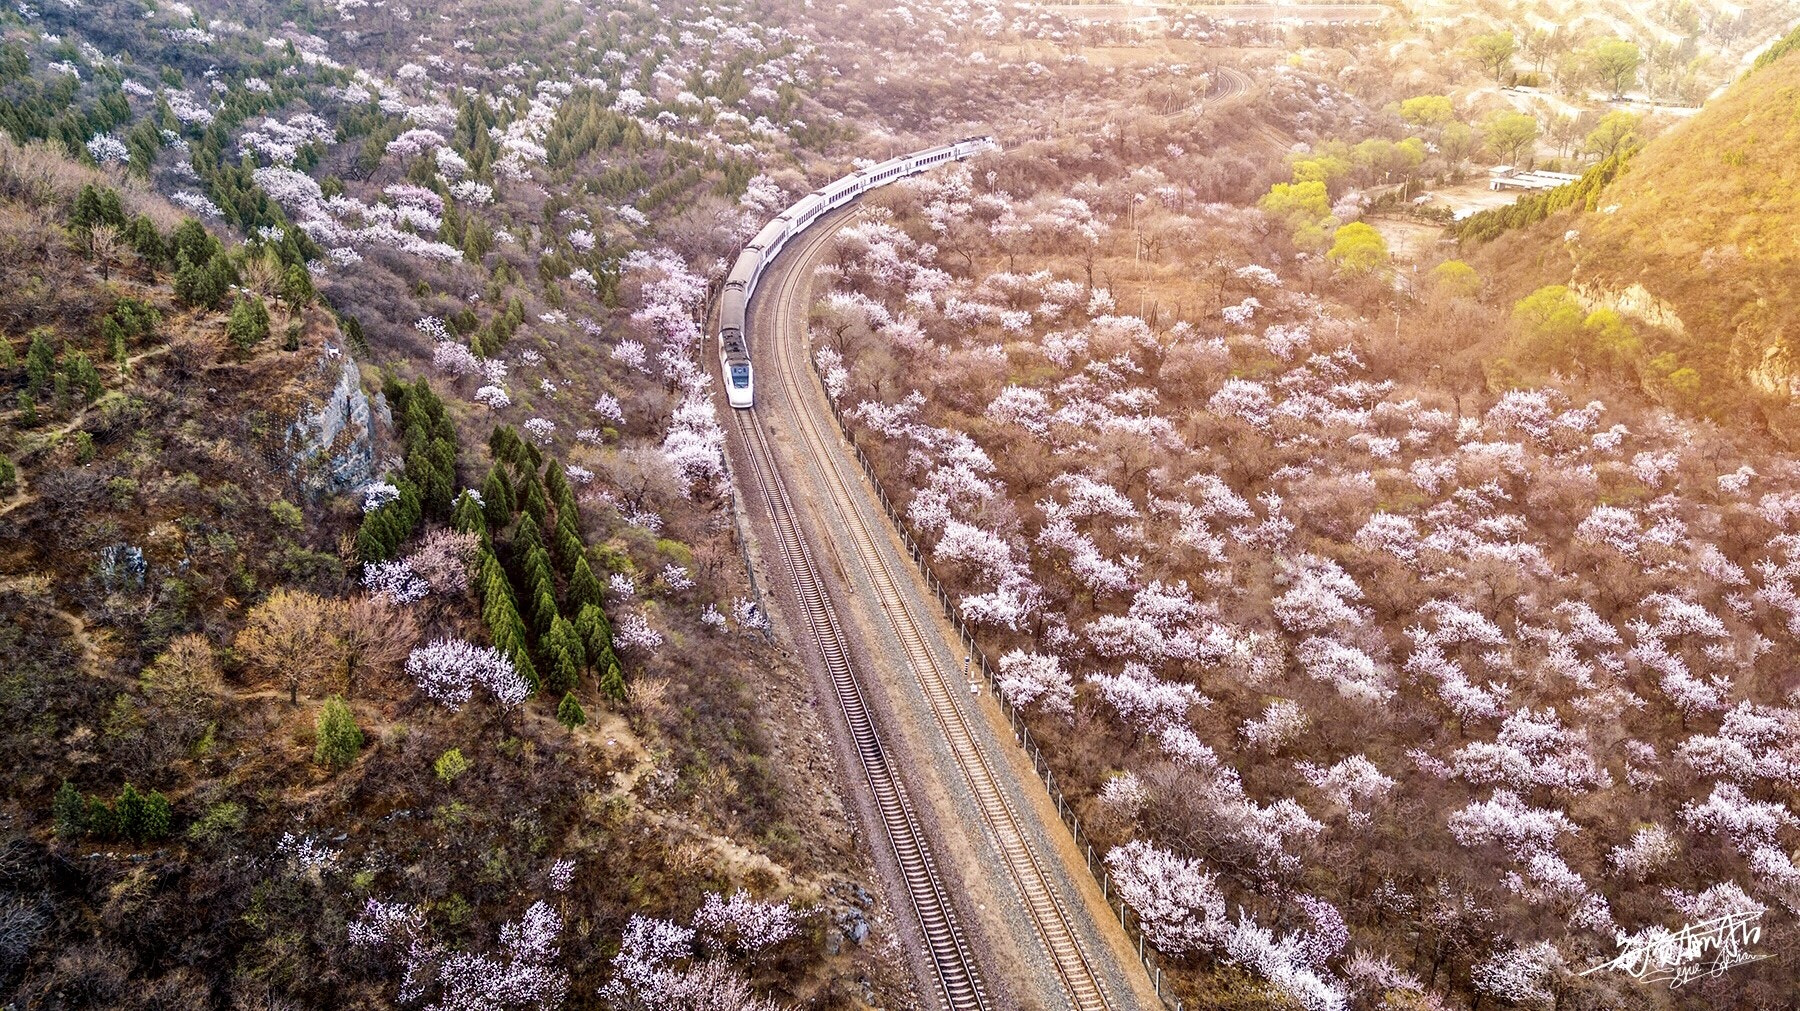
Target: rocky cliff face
pixel 1633 300
pixel 331 445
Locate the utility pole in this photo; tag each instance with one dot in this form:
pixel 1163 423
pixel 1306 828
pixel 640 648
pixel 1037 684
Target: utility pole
pixel 1137 252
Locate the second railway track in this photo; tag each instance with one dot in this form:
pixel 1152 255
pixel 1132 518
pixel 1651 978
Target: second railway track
pixel 1025 867
pixel 952 962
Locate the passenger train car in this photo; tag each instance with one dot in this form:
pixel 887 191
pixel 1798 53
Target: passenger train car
pixel 740 284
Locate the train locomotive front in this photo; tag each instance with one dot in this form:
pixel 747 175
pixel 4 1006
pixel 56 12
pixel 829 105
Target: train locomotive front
pixel 740 284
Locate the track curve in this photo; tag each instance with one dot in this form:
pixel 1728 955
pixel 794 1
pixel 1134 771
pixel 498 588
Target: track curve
pixel 843 503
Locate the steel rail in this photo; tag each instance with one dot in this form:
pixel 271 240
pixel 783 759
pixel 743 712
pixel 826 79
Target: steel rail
pixel 1042 900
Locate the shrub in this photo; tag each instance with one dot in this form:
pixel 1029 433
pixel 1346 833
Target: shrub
pixel 249 324
pixel 450 765
pixel 220 821
pixel 287 514
pixel 339 738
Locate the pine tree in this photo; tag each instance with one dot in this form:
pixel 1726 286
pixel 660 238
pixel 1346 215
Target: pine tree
pixel 563 650
pixel 189 280
pixel 296 287
pixel 191 239
pixel 612 683
pixel 506 629
pixel 84 379
pixel 102 821
pixel 249 324
pixel 70 811
pixel 534 504
pixel 87 208
pixel 9 359
pixel 501 441
pixel 584 586
pixel 28 415
pixel 568 545
pixel 40 360
pixel 159 816
pixel 112 209
pixel 497 499
pixel 492 577
pixel 146 241
pixel 555 482
pixel 217 277
pixel 569 712
pixel 468 517
pixel 131 813
pixel 339 738
pixel 538 573
pixel 543 611
pixel 596 635
pixel 526 669
pixel 115 343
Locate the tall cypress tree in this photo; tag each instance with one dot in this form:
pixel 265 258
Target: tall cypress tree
pixel 596 636
pixel 555 483
pixel 612 682
pixel 584 587
pixel 497 499
pixel 543 611
pixel 339 738
pixel 534 504
pixel 526 669
pixel 563 653
pixel 569 712
pixel 468 517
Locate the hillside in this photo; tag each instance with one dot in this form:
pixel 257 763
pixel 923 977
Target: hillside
pixel 1698 237
pixel 230 759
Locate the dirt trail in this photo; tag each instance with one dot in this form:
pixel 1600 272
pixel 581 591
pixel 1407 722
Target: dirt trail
pixel 22 494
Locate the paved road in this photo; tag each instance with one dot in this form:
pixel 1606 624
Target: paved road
pixel 1041 930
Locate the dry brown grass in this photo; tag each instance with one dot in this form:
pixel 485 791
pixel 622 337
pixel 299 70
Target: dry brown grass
pixel 39 174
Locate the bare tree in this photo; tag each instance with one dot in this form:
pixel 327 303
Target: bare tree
pixel 371 639
pixel 282 637
pixel 107 247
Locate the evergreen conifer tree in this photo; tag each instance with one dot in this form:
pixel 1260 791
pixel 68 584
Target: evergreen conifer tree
pixel 339 738
pixel 249 324
pixel 584 586
pixel 467 517
pixel 131 812
pixel 159 816
pixel 40 360
pixel 612 682
pixel 69 810
pixel 102 820
pixel 569 712
pixel 497 499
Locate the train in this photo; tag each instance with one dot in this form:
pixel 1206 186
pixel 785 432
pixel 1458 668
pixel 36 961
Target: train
pixel 740 284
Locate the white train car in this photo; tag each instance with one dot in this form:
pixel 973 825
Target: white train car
pixel 740 284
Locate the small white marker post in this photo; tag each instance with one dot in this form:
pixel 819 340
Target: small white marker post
pixel 974 686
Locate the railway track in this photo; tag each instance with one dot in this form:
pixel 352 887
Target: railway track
pixel 1050 920
pixel 954 965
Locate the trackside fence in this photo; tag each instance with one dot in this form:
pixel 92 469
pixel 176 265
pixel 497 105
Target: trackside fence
pixel 1151 959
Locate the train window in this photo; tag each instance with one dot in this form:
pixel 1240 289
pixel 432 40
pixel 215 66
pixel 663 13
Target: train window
pixel 740 375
